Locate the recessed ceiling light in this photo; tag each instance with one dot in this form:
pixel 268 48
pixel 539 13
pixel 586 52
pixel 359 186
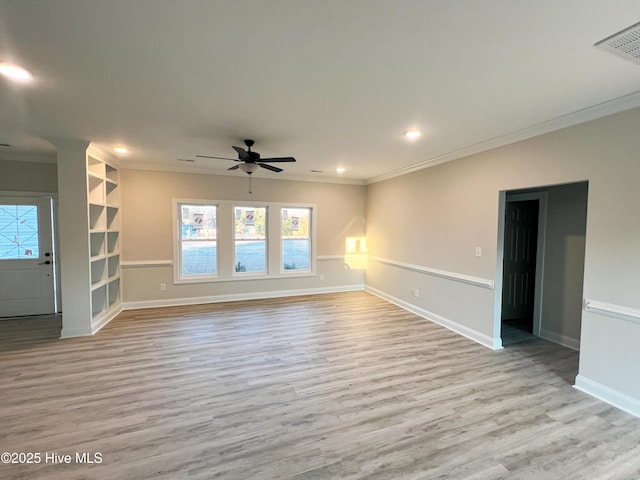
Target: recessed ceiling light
pixel 412 133
pixel 15 72
pixel 340 169
pixel 121 149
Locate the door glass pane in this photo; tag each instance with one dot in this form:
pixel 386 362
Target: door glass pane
pixel 250 239
pixel 296 238
pixel 198 240
pixel 19 232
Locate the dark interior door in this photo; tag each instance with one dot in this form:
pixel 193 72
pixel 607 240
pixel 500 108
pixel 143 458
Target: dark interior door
pixel 519 273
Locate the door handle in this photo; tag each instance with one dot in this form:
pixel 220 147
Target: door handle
pixel 46 262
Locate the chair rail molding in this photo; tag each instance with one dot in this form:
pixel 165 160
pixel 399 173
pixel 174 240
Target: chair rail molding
pixel 458 277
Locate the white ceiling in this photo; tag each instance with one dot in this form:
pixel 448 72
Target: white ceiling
pixel 329 82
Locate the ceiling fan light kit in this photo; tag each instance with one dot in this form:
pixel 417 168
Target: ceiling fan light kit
pixel 249 167
pixel 250 161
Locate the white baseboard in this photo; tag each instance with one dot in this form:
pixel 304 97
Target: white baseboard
pixel 100 322
pixel 72 333
pixel 235 297
pixel 96 324
pixel 608 395
pixel 471 334
pixel 564 340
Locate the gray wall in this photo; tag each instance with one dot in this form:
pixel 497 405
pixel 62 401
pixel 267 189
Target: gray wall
pixel 564 263
pixel 432 219
pixel 28 176
pixel 147 234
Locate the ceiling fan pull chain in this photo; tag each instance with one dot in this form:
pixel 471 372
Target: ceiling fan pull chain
pixel 250 185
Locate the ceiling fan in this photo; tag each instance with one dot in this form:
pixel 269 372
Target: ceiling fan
pixel 250 161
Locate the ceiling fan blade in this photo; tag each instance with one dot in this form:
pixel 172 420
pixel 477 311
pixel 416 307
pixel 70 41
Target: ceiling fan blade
pixel 235 167
pixel 278 159
pixel 219 158
pixel 241 152
pixel 270 167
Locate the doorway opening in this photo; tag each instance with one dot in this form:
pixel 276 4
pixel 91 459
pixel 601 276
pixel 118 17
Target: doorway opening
pixel 541 249
pixel 519 264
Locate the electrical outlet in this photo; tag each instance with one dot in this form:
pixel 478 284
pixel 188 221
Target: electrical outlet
pixel 478 252
pixel 163 286
pixel 415 292
pixel 321 276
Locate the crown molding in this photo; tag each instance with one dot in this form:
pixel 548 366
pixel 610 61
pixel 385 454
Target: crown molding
pixel 126 165
pixel 594 112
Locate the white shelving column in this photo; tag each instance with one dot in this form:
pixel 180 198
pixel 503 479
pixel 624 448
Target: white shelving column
pixel 89 220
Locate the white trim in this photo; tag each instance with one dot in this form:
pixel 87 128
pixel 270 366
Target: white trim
pixel 146 263
pixel 169 263
pixel 235 297
pixel 564 340
pixel 467 332
pixel 611 310
pixel 100 321
pixel 458 277
pixel 609 395
pixel 507 196
pixel 617 105
pixel 72 333
pixel 186 167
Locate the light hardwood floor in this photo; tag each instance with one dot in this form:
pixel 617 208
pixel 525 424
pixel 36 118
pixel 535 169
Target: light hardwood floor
pixel 339 386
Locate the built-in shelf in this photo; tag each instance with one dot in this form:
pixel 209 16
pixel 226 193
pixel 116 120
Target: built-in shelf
pixel 113 264
pixel 99 300
pixel 96 243
pixel 95 167
pixel 98 270
pixel 104 238
pixel 113 242
pixel 111 173
pixel 112 217
pixel 114 291
pixel 97 217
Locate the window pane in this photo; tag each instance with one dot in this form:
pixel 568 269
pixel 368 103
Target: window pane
pixel 19 232
pixel 250 239
pixel 198 240
pixel 296 238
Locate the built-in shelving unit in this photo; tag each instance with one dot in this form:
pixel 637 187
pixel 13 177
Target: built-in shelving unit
pixel 104 238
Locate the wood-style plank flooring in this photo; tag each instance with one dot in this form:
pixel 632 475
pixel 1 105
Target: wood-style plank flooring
pixel 339 386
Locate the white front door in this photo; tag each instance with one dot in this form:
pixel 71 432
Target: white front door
pixel 26 256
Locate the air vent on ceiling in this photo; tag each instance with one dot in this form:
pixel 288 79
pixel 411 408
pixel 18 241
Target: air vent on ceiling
pixel 625 43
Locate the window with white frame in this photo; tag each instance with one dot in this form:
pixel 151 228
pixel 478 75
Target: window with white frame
pixel 221 240
pixel 295 235
pixel 250 239
pixel 198 249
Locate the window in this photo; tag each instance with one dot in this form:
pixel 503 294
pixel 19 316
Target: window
pixel 19 232
pixel 250 239
pixel 295 236
pixel 224 240
pixel 198 254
